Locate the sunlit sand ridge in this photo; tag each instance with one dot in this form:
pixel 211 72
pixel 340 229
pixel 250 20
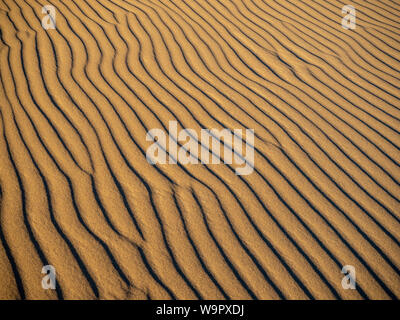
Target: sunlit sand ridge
pixel 76 189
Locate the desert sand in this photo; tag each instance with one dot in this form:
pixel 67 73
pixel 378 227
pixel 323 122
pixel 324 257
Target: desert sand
pixel 76 190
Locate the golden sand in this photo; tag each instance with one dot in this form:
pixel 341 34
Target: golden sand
pixel 76 190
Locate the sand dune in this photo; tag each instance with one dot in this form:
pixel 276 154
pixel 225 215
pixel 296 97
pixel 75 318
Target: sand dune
pixel 76 190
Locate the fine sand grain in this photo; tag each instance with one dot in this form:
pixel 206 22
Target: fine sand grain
pixel 76 190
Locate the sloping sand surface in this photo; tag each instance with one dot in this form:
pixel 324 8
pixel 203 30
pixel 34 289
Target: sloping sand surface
pixel 76 190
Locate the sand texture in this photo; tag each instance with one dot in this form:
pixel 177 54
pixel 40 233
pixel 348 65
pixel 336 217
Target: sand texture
pixel 76 190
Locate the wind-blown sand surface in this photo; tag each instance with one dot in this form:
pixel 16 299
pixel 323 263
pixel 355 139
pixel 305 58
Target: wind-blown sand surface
pixel 76 190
